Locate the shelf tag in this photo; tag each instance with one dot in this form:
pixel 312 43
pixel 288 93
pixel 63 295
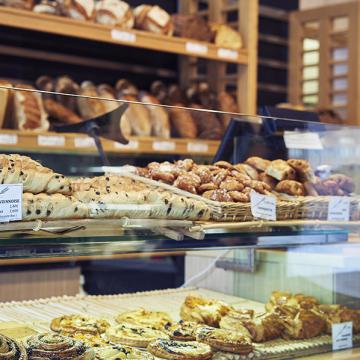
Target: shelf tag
pixel 227 54
pixel 83 142
pixel 342 336
pixel 339 208
pixel 11 202
pixel 133 145
pixel 163 145
pixel 263 206
pixel 197 48
pixel 197 147
pixel 302 140
pixel 51 140
pixel 124 36
pixel 8 139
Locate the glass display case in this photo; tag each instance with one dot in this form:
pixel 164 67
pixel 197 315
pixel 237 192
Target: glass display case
pixel 257 252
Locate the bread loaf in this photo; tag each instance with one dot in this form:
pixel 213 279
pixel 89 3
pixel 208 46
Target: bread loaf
pixel 64 84
pixel 60 113
pixel 78 9
pixel 226 103
pixel 227 37
pixel 90 108
pixel 183 122
pixel 48 7
pixel 114 13
pixel 153 19
pixel 5 99
pixel 20 4
pixel 192 27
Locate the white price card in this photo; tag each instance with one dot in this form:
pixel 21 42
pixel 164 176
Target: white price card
pixel 84 142
pixel 263 206
pixel 197 147
pixel 124 36
pixel 302 140
pixel 132 145
pixel 11 202
pixel 197 48
pixel 8 139
pixel 51 140
pixel 163 145
pixel 227 54
pixel 342 336
pixel 339 208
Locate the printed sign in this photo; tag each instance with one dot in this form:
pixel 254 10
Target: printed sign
pixel 339 208
pixel 133 145
pixel 263 206
pixel 83 142
pixel 51 140
pixel 11 202
pixel 197 147
pixel 163 145
pixel 124 36
pixel 227 54
pixel 302 140
pixel 342 336
pixel 196 48
pixel 8 139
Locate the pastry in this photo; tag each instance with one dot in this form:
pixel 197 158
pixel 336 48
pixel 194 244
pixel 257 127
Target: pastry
pixel 182 122
pixel 79 323
pixel 133 335
pixel 203 311
pixel 159 117
pixel 224 340
pixel 114 13
pixel 55 346
pixel 153 19
pixel 226 103
pixel 60 113
pixel 227 37
pixel 151 319
pixel 29 111
pixel 234 319
pixel 267 179
pixel 20 4
pixel 290 187
pixel 258 163
pixel 303 168
pixel 247 170
pixel 120 352
pixel 281 170
pixel 176 350
pixel 48 7
pixel 192 27
pixel 93 340
pixel 89 107
pixel 284 298
pixel 11 349
pixel 344 182
pixel 79 9
pixel 335 314
pixel 182 331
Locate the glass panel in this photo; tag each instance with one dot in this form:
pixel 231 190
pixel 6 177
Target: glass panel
pixel 340 23
pixel 311 58
pixel 310 72
pixel 339 69
pixel 340 54
pixel 339 99
pixel 311 25
pixel 310 87
pixel 310 44
pixel 310 99
pixel 339 84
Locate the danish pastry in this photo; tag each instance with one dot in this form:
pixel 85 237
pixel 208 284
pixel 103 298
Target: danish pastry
pixel 120 352
pixel 11 349
pixel 182 331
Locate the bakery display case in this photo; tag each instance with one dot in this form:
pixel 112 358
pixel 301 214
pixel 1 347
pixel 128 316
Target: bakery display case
pixel 263 241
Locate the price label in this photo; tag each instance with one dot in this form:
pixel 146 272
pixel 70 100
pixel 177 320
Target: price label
pixel 227 54
pixel 83 142
pixel 163 145
pixel 11 202
pixel 51 140
pixel 339 208
pixel 302 140
pixel 123 36
pixel 8 139
pixel 132 145
pixel 197 147
pixel 342 336
pixel 196 48
pixel 263 206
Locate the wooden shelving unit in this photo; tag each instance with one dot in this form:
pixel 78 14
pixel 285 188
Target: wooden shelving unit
pixel 50 142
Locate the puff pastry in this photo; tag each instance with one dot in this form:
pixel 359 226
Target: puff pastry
pixel 120 352
pixel 281 170
pixel 182 331
pixel 258 163
pixel 290 187
pixel 303 168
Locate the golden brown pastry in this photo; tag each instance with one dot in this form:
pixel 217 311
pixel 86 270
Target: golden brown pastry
pixel 290 187
pixel 114 13
pixel 284 298
pixel 60 113
pixel 224 340
pixel 92 340
pixel 269 180
pixel 182 331
pixel 176 350
pixel 280 170
pixel 11 349
pixel 153 19
pixel 203 311
pixel 247 170
pixel 258 163
pixel 303 168
pixel 227 37
pixel 121 352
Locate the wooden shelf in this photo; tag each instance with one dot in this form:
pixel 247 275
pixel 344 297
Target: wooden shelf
pixel 50 142
pixel 91 31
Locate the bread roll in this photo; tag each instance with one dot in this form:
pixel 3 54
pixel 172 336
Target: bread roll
pixel 192 27
pixel 114 13
pixel 227 37
pixel 153 19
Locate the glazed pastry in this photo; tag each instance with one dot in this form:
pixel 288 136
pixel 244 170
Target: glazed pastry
pixel 120 352
pixel 153 19
pixel 224 340
pixel 303 168
pixel 11 349
pixel 183 122
pixel 227 37
pixel 290 187
pixel 60 113
pixel 133 335
pixel 258 163
pixel 176 350
pixel 114 13
pixel 29 111
pixel 151 319
pixel 203 311
pixel 192 27
pixel 79 323
pixel 280 170
pixel 79 9
pixel 54 346
pixel 182 331
pixel 90 108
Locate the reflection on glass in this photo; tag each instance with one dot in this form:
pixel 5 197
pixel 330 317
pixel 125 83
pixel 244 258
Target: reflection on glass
pixel 340 84
pixel 311 25
pixel 310 99
pixel 310 72
pixel 339 99
pixel 340 54
pixel 310 44
pixel 339 69
pixel 310 87
pixel 311 58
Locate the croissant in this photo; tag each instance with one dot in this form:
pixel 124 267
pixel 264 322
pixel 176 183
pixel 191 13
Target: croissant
pixel 17 169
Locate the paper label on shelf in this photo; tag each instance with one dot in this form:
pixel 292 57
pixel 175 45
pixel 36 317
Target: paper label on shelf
pixel 11 202
pixel 197 147
pixel 227 54
pixel 163 145
pixel 133 145
pixel 302 140
pixel 196 48
pixel 8 139
pixel 51 140
pixel 124 36
pixel 339 208
pixel 83 142
pixel 342 336
pixel 263 206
